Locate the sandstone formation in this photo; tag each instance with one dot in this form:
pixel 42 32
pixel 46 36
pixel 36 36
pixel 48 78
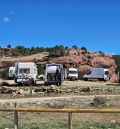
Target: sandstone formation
pixel 87 60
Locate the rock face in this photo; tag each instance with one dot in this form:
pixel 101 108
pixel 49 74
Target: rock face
pixel 74 58
pixel 87 60
pixel 10 61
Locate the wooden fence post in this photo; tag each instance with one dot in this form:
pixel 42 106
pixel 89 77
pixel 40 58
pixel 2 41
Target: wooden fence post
pixel 15 118
pixel 69 120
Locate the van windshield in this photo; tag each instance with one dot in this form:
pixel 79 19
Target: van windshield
pixel 89 72
pixel 72 72
pixel 22 71
pixel 11 71
pixel 106 72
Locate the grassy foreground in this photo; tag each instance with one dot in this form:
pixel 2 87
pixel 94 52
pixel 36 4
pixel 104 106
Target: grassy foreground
pixel 62 125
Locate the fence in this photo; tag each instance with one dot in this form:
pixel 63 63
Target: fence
pixel 69 111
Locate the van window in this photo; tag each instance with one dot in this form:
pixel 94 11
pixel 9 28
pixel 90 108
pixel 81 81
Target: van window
pixel 73 72
pixel 11 71
pixel 27 71
pixel 89 72
pixel 106 72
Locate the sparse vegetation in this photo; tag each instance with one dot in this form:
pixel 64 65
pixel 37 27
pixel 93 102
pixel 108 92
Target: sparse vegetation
pixel 99 101
pixel 40 69
pixel 75 47
pixel 4 74
pixel 102 53
pixel 117 61
pixel 60 125
pixel 24 51
pixel 84 48
pixel 57 51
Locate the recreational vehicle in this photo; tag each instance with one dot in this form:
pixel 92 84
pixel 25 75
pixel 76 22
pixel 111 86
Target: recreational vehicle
pixel 25 71
pixel 54 74
pixel 97 73
pixel 11 72
pixel 72 74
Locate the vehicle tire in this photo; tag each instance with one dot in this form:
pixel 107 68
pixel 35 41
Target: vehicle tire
pixel 45 83
pixel 86 79
pixel 60 83
pixel 118 80
pixel 101 79
pixel 33 82
pixel 104 80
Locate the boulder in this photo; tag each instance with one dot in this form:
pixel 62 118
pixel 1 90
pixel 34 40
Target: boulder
pixel 72 51
pixel 114 78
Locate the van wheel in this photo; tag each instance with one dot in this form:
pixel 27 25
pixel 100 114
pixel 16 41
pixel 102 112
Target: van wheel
pixel 101 79
pixel 60 83
pixel 86 79
pixel 33 82
pixel 45 84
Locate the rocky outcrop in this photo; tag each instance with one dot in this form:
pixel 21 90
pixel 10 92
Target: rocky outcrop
pixel 87 60
pixel 3 49
pixel 10 61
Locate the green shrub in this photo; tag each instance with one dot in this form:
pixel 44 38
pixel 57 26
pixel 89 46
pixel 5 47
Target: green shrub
pixel 99 101
pixel 5 74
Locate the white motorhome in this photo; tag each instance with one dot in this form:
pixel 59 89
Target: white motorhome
pixel 11 72
pixel 54 74
pixel 25 71
pixel 97 73
pixel 72 74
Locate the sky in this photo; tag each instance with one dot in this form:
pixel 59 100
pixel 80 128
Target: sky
pixel 94 24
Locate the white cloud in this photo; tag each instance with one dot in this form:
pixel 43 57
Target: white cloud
pixel 11 12
pixel 112 53
pixel 6 19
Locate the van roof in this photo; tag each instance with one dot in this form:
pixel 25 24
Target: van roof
pixel 100 69
pixel 75 69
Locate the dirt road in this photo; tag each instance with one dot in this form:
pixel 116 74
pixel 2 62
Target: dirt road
pixel 61 102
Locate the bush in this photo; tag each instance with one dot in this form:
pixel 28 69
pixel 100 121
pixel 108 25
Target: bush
pixel 84 48
pixel 40 69
pixel 75 47
pixel 102 53
pixel 5 74
pixel 99 101
pixel 117 62
pixel 57 51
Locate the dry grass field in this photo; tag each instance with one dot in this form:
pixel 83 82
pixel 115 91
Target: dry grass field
pixel 72 94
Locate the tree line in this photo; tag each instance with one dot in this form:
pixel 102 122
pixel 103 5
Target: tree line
pixel 56 51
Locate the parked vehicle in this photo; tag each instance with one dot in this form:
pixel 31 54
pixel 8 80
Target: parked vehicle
pixel 72 74
pixel 11 72
pixel 54 74
pixel 41 77
pixel 97 73
pixel 25 71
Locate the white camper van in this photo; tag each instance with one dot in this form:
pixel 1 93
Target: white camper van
pixel 54 74
pixel 25 71
pixel 11 72
pixel 97 73
pixel 72 74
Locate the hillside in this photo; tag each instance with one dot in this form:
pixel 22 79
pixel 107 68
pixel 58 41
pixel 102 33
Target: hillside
pixel 70 57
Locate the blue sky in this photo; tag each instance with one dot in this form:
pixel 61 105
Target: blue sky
pixel 94 24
